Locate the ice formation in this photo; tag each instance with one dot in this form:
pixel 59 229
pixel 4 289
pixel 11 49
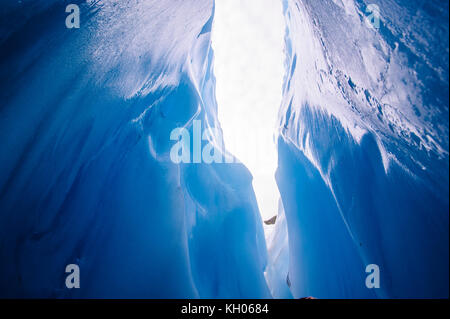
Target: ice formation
pixel 87 178
pixel 363 148
pixel 248 44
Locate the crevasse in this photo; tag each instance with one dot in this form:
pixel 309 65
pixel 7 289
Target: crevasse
pixel 86 176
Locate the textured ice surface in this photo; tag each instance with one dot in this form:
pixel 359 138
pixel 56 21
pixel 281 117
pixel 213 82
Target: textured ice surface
pixel 363 148
pixel 85 175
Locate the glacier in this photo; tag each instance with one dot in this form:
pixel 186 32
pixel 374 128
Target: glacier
pixel 363 148
pixel 86 175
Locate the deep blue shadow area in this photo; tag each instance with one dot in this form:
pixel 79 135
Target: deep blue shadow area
pixel 354 213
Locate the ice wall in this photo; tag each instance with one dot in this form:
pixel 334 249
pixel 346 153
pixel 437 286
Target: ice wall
pixel 363 148
pixel 85 172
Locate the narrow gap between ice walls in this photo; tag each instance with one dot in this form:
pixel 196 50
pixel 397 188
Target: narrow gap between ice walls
pixel 248 43
pixel 115 157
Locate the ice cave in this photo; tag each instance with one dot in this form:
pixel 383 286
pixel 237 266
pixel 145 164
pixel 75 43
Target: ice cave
pixel 215 149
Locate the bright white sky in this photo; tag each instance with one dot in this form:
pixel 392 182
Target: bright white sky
pixel 248 42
